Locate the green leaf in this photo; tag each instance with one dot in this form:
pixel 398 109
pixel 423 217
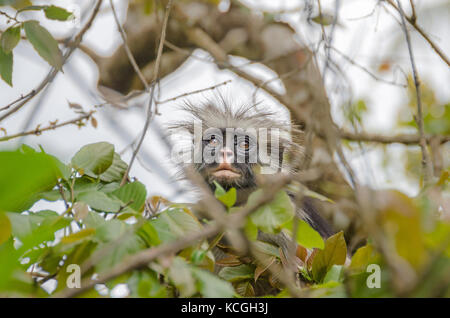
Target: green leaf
pixel 78 255
pixel 134 192
pixel 57 13
pixel 94 220
pixel 44 43
pixel 401 220
pixel 36 228
pixel 266 248
pixel 23 177
pixel 9 263
pixel 110 230
pixel 334 253
pixel 117 232
pixel 100 201
pixel 6 66
pixel 436 238
pixel 149 234
pixel 251 230
pixel 237 273
pixel 219 191
pixel 228 198
pixel 78 236
pixel 306 235
pixel 334 274
pixel 5 227
pixel 95 158
pixel 116 171
pixel 180 274
pixel 212 287
pixel 31 8
pixel 271 217
pixel 364 256
pixel 198 256
pixel 10 38
pixel 175 223
pixel 127 245
pixel 145 284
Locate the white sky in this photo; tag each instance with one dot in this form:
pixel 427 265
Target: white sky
pixel 368 41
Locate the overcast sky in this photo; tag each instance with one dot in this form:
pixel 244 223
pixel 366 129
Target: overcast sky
pixel 369 41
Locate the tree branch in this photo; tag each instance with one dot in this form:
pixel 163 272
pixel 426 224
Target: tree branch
pixel 51 75
pixel 141 259
pixel 407 139
pixel 38 130
pixel 152 92
pixel 127 48
pixel 426 162
pixel 412 21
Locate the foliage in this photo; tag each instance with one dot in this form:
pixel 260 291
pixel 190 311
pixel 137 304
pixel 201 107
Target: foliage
pixel 98 223
pixel 106 223
pixel 38 36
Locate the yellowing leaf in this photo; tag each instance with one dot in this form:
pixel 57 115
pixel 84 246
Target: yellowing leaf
pixel 334 253
pixel 75 237
pixel 401 221
pixel 364 256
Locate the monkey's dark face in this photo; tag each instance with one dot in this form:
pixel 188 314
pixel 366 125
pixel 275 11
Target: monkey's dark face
pixel 229 158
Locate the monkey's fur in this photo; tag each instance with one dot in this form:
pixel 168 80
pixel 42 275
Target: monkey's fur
pixel 220 115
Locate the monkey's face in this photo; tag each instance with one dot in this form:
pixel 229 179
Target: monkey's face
pixel 229 158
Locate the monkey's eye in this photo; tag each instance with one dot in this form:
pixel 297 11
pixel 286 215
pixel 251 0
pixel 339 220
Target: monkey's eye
pixel 244 144
pixel 213 141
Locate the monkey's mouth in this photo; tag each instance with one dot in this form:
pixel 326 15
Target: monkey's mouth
pixel 225 171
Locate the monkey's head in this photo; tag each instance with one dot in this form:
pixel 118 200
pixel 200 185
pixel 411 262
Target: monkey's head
pixel 233 144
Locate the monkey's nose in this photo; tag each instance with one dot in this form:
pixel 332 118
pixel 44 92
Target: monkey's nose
pixel 227 155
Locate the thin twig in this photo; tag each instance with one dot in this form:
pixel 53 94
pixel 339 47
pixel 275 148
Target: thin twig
pixel 38 130
pixel 412 21
pixel 141 259
pixel 127 48
pixel 413 11
pixel 152 92
pixel 17 100
pixel 194 92
pixel 406 139
pixel 204 41
pixel 426 162
pixel 9 17
pixel 51 75
pixel 365 69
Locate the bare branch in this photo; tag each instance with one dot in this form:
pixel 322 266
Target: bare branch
pixel 152 92
pixel 194 92
pixel 53 126
pixel 426 162
pixel 127 48
pixel 17 100
pixel 412 21
pixel 141 259
pixel 365 69
pixel 407 139
pixel 51 75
